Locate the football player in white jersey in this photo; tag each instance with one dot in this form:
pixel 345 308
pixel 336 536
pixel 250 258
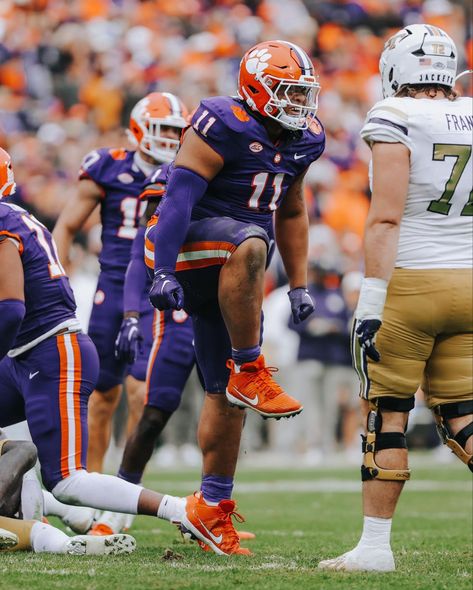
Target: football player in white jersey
pixel 414 321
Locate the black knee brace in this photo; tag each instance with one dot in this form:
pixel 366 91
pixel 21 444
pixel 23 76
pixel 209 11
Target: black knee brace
pixel 375 440
pixel 456 443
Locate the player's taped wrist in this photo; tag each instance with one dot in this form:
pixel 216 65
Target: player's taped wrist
pixel 372 299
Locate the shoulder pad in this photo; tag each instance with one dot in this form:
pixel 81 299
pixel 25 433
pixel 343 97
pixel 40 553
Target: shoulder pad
pixel 118 153
pixel 220 121
pixel 230 111
pixel 316 128
pixel 6 212
pixel 387 121
pixel 93 163
pixel 392 107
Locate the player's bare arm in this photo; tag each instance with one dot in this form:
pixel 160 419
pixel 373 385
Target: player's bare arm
pixel 199 157
pixel 391 170
pixel 390 184
pixel 74 215
pixel 291 225
pixel 11 272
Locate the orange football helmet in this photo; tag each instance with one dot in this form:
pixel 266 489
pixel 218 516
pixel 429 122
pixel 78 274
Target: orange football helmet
pixel 7 180
pixel 277 79
pixel 147 118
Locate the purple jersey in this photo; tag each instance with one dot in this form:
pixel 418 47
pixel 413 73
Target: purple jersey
pixel 48 296
pixel 257 172
pixel 121 180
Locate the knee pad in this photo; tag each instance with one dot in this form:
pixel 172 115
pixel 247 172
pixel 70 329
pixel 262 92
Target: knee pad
pixel 375 440
pixel 456 443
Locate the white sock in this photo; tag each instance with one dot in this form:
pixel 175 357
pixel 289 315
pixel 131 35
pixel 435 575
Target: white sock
pixel 52 506
pixel 172 508
pixel 105 492
pixel 376 532
pixel 31 496
pixel 47 539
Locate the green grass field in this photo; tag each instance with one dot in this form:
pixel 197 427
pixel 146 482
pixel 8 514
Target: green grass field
pixel 299 517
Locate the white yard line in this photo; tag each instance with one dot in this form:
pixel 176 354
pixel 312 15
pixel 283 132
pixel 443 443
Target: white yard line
pixel 295 486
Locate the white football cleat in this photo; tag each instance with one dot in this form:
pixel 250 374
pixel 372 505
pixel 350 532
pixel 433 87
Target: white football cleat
pixel 366 559
pixel 8 540
pixel 109 545
pixel 79 518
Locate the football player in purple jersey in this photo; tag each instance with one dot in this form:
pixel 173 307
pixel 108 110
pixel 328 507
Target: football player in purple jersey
pixel 172 355
pixel 239 170
pixel 49 368
pixel 113 179
pixel 170 362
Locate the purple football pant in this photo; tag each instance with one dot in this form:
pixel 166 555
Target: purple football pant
pixel 171 360
pixel 50 385
pixel 104 325
pixel 209 244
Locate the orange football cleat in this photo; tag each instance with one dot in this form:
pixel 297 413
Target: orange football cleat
pixel 213 526
pixel 253 387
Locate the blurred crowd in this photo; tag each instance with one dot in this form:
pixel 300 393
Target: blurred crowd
pixel 71 70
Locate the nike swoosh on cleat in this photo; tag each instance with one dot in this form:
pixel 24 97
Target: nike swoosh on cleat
pixel 253 402
pixel 214 538
pixel 33 374
pixel 299 156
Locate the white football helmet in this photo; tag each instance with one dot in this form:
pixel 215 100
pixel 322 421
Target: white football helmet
pixel 418 54
pixel 149 116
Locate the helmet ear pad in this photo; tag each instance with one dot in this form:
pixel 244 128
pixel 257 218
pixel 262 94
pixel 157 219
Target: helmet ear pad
pixel 136 131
